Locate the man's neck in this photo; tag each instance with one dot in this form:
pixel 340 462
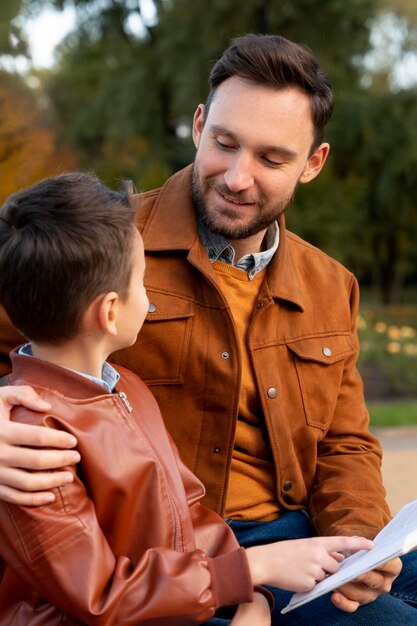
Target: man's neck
pixel 249 245
pixel 76 354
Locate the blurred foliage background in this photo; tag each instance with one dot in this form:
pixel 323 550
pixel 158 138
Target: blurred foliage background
pixel 126 80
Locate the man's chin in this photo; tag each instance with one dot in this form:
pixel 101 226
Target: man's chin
pixel 232 230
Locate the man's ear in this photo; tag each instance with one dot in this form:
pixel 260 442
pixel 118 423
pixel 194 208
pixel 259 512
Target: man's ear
pixel 107 306
pixel 198 124
pixel 315 163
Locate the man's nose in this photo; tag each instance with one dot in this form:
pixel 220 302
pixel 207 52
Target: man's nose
pixel 239 174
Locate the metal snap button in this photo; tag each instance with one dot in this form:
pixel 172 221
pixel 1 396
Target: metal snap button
pixel 326 351
pixel 272 392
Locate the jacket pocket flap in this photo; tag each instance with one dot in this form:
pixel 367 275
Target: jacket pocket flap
pixel 325 350
pixel 164 307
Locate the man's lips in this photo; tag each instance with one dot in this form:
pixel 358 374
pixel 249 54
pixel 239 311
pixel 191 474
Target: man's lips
pixel 233 199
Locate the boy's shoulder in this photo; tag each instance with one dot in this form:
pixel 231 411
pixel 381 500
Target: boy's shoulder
pixel 134 388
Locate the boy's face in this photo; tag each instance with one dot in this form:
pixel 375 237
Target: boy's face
pixel 133 310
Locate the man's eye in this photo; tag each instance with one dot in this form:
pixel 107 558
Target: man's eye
pixel 222 145
pixel 271 162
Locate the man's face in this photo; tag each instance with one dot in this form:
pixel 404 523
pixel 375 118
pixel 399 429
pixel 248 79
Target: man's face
pixel 252 151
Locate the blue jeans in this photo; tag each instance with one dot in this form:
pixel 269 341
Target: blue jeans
pixel 397 608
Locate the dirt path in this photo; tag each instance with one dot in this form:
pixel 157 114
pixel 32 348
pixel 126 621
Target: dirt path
pixel 399 465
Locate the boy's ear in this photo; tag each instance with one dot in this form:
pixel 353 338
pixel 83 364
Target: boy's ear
pixel 107 312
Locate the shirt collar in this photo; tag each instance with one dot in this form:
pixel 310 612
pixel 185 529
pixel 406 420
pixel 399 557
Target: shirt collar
pixel 109 376
pixel 219 248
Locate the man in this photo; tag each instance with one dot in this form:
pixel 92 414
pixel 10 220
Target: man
pixel 250 338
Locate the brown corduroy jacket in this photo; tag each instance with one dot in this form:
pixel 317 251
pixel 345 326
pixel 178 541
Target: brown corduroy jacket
pixel 303 347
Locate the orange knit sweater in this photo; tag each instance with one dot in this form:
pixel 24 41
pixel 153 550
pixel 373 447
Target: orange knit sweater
pixel 251 493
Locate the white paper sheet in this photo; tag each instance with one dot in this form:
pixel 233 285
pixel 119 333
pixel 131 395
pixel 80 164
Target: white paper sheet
pixel 397 538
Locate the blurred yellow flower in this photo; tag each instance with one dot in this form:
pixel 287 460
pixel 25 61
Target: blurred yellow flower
pixel 380 327
pixel 362 325
pixel 393 347
pixel 394 332
pixel 407 332
pixel 410 349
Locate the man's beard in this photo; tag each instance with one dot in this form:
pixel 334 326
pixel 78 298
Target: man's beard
pixel 261 219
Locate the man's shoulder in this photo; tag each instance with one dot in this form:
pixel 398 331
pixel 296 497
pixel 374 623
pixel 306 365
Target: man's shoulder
pixel 143 203
pixel 176 190
pixel 305 252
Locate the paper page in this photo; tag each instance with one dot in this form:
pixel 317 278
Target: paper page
pixel 403 523
pixel 398 537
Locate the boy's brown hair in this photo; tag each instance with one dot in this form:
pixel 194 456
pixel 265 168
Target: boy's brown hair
pixel 63 242
pixel 276 62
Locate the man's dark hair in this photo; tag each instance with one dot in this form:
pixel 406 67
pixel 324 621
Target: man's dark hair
pixel 279 63
pixel 63 241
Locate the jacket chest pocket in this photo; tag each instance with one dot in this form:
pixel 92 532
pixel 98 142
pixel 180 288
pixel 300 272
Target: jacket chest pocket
pixel 166 337
pixel 319 364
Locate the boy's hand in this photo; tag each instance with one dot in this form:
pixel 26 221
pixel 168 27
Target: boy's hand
pixel 256 613
pixel 25 452
pixel 367 587
pixel 297 565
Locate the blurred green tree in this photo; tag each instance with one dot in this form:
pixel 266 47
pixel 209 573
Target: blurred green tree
pixel 385 158
pixel 12 38
pixel 126 85
pixel 127 82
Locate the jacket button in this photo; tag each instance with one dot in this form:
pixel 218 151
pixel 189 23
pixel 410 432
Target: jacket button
pixel 326 351
pixel 216 450
pixel 287 485
pixel 225 355
pixel 272 392
pixel 260 304
pixel 151 307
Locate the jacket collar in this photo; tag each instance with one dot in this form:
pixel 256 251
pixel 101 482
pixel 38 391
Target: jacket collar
pixel 172 225
pixel 284 278
pixel 32 371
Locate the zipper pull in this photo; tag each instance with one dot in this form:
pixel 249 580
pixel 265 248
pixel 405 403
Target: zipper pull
pixel 123 398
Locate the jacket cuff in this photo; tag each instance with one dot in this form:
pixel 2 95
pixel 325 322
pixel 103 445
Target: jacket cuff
pixel 231 580
pixel 268 595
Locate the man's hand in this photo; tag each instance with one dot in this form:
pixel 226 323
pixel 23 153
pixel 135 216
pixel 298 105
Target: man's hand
pixel 27 451
pixel 367 587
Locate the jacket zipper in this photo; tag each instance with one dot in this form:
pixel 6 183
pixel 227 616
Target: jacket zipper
pixel 125 401
pixel 177 544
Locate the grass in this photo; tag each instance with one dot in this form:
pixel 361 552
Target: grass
pixel 398 413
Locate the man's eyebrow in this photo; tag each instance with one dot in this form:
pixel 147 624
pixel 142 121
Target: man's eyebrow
pixel 281 151
pixel 222 130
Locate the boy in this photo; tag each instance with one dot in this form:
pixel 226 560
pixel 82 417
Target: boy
pixel 127 541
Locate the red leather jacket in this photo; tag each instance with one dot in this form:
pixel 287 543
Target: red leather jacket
pixel 125 543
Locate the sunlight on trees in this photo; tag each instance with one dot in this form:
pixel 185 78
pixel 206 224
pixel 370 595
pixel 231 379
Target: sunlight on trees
pixel 126 82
